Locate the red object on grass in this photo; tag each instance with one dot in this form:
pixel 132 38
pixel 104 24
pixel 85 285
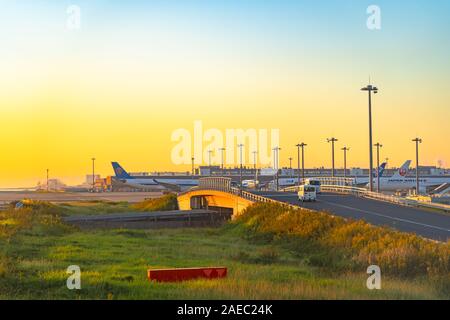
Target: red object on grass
pixel 182 274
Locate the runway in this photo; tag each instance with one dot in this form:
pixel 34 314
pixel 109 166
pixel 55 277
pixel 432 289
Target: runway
pixel 423 222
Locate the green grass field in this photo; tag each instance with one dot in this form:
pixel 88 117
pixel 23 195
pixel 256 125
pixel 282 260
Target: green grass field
pixel 114 264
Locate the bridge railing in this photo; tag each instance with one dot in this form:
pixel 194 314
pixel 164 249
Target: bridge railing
pixel 224 185
pixel 361 192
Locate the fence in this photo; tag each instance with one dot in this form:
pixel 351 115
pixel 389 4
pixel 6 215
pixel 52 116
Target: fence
pixel 224 184
pixel 361 192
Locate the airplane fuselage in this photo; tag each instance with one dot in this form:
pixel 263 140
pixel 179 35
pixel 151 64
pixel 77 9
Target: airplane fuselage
pixel 402 183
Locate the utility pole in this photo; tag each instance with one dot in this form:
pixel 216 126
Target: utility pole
pixel 47 180
pixel 378 145
pixel 369 89
pixel 332 140
pixel 93 174
pixel 240 169
pixel 417 141
pixel 193 170
pixel 345 149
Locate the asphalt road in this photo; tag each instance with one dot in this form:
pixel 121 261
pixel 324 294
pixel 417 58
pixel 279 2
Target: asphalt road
pixel 425 223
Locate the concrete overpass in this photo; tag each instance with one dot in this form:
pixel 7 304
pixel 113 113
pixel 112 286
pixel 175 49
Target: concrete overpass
pixel 217 194
pixel 214 193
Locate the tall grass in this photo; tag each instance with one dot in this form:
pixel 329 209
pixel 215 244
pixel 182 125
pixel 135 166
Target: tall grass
pixel 34 213
pixel 164 203
pixel 334 242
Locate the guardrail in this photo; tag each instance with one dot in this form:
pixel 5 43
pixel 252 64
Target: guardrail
pixel 224 185
pixel 361 192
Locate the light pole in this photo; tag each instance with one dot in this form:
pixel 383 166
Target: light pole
pixel 276 151
pixel 193 170
pixel 417 141
pixel 369 89
pixel 301 145
pixel 47 180
pixel 290 166
pixel 254 165
pixel 345 149
pixel 222 150
pixel 93 174
pixel 240 169
pixel 209 159
pixel 378 145
pixel 332 140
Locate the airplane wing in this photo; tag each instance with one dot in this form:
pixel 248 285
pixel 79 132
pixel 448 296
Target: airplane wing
pixel 170 186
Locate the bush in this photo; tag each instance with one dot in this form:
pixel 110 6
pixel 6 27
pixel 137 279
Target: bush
pixel 33 213
pixel 347 244
pixel 165 203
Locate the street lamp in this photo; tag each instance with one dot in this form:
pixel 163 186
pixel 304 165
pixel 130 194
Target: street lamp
pixel 93 174
pixel 345 149
pixel 193 170
pixel 378 145
pixel 417 141
pixel 301 145
pixel 240 170
pixel 332 140
pixel 222 150
pixel 209 159
pixel 254 165
pixel 276 151
pixel 369 89
pixel 290 166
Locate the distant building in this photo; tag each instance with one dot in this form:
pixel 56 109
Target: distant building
pixel 89 179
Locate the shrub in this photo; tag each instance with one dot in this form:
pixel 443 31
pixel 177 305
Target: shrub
pixel 348 243
pixel 33 213
pixel 164 203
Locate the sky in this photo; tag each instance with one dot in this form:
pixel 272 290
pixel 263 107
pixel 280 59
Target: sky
pixel 117 87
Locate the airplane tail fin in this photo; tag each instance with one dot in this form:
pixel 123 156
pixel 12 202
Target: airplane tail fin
pixel 381 170
pixel 119 171
pixel 403 170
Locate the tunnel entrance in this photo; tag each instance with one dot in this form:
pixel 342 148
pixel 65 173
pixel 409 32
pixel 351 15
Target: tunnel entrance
pixel 222 213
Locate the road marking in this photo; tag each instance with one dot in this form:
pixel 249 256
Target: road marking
pixel 385 216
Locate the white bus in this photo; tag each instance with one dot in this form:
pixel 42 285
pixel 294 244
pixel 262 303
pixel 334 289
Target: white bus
pixel 306 193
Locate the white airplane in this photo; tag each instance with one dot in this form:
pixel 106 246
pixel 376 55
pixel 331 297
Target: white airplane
pixel 166 182
pixel 400 181
pixel 361 181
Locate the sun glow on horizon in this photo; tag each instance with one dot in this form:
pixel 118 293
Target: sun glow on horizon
pixel 135 72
